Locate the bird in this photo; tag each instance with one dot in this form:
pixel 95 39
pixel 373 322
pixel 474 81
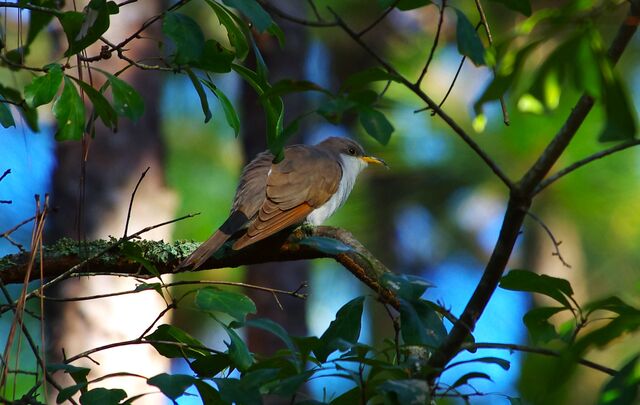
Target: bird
pixel 307 186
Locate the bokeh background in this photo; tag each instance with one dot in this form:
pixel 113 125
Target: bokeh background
pixel 436 213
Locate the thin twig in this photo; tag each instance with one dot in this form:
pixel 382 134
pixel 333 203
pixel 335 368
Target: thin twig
pixel 543 351
pixel 556 243
pixel 424 97
pixel 379 19
pixel 582 162
pixel 483 20
pixel 8 171
pixel 133 196
pixel 435 43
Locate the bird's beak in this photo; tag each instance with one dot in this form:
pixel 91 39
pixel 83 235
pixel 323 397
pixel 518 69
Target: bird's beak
pixel 375 160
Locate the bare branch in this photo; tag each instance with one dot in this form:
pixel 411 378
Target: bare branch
pixel 435 44
pixel 556 243
pixel 133 196
pixel 582 162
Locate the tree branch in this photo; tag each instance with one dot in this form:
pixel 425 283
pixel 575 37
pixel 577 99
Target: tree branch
pixel 519 203
pixel 59 258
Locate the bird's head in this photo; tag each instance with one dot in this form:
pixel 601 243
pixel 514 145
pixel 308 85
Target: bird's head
pixel 348 149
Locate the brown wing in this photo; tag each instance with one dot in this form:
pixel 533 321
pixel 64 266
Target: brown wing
pixel 302 182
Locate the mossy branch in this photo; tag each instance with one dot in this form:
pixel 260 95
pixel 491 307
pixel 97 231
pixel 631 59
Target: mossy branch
pixel 146 259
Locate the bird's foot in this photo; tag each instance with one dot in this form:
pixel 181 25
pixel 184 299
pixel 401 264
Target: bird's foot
pixel 307 229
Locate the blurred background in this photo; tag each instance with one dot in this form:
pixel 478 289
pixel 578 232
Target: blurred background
pixel 436 213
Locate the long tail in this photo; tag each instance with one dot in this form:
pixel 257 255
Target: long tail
pixel 236 221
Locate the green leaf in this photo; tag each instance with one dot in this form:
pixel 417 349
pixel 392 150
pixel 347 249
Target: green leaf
pixel 329 246
pixel 6 119
pixel 537 322
pixel 273 107
pixel 253 11
pixel 101 105
pixel 469 43
pixel 288 86
pixel 621 115
pixel 230 113
pixel 39 19
pixel 405 4
pixel 521 6
pixel 469 376
pixel 236 305
pixel 186 35
pixel 69 392
pixel 233 391
pixel 406 286
pixel 210 365
pixel 43 88
pixel 134 252
pixel 504 364
pixel 375 123
pixel 68 110
pixel 406 392
pixel 362 78
pixel 346 327
pixel 238 351
pixel 333 109
pixel 78 374
pixel 237 38
pixel 103 396
pixel 207 393
pixel 215 58
pixel 523 280
pixel 612 304
pixel 126 99
pixel 623 388
pixel 421 324
pixel 85 28
pixel 173 386
pixel 204 103
pixel 170 333
pixel 275 329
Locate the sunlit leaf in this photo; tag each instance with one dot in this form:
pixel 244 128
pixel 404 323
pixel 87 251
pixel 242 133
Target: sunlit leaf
pixel 43 88
pixel 187 36
pixel 212 299
pixel 376 124
pixel 469 43
pixel 173 386
pixel 68 109
pixel 623 388
pixel 237 38
pixel 85 28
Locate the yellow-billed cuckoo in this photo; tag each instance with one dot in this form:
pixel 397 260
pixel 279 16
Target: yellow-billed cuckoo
pixel 308 185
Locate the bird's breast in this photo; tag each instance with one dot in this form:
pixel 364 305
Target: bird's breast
pixel 351 167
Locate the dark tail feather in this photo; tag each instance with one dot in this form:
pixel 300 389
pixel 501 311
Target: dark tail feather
pixel 205 251
pixel 234 223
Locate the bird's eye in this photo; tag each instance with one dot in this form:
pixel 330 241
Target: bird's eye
pixel 352 151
